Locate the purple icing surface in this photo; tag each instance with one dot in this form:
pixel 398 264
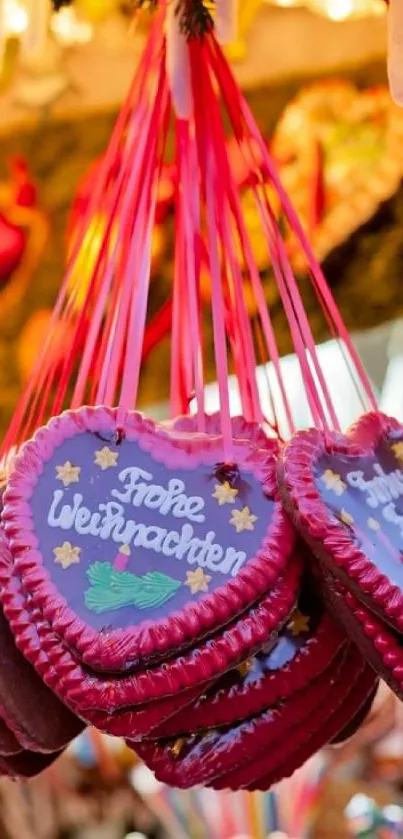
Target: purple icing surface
pixel 289 643
pixel 96 486
pixel 287 646
pixel 375 507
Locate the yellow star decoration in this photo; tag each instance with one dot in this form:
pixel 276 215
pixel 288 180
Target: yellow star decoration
pixel 68 474
pixel 397 449
pixel 299 623
pixel 177 747
pixel 105 458
pixel 197 581
pixel 225 493
pixel 245 667
pixel 346 518
pixel 66 555
pixel 333 482
pixel 373 524
pixel 243 520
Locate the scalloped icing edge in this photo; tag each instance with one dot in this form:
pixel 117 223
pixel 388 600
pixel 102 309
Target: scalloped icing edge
pixel 310 515
pixel 212 611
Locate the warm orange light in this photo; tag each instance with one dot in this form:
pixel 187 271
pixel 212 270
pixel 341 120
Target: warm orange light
pixel 31 341
pixel 337 10
pixel 87 258
pixel 260 251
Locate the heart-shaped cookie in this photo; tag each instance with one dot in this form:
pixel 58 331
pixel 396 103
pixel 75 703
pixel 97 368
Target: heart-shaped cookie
pixel 97 699
pixel 197 759
pixel 359 684
pixel 356 721
pixel 134 541
pixel 9 745
pixel 304 649
pixel 212 425
pixel 34 715
pixel 87 691
pixel 36 643
pixel 26 764
pixel 345 495
pixel 377 641
pixel 137 721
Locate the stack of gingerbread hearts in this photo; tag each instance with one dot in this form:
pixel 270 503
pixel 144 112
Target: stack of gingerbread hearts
pixel 258 724
pixel 137 568
pixel 344 494
pixel 224 668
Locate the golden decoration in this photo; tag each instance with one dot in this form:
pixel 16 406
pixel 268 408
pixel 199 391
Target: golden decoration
pixel 333 481
pixel 68 474
pixel 247 11
pixel 177 747
pixel 346 518
pixel 336 10
pixel 66 555
pixel 245 667
pixel 225 493
pixel 105 458
pixel 299 623
pixel 243 520
pixel 87 256
pixel 197 581
pixel 374 525
pixel 125 550
pixel 397 449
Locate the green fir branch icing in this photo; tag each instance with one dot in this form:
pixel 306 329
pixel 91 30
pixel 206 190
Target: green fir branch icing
pixel 111 589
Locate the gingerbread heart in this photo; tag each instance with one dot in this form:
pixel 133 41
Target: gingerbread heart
pixel 141 720
pixel 345 495
pixel 212 425
pixel 197 759
pixel 303 650
pixel 33 714
pixel 377 641
pixel 359 683
pixel 356 721
pixel 88 692
pixel 9 745
pixel 97 699
pixel 26 764
pixel 134 721
pixel 134 541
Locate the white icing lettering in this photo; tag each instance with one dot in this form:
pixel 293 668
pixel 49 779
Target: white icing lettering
pixel 170 543
pixel 390 515
pixel 154 538
pixel 83 521
pixel 382 489
pixel 232 562
pixel 129 478
pixel 136 489
pixel 67 515
pixel 172 500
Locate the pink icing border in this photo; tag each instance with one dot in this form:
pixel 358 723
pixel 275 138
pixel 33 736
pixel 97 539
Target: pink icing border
pixel 119 646
pixel 360 687
pixel 72 726
pixel 241 429
pixel 245 701
pixel 328 537
pixel 371 635
pixel 84 692
pixel 255 737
